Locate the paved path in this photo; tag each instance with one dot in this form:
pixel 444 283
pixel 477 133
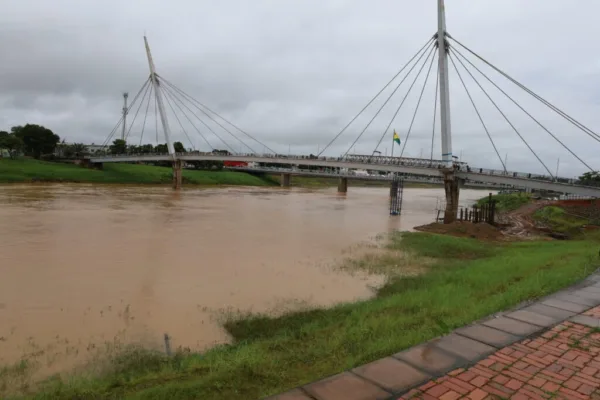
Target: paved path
pixel 546 350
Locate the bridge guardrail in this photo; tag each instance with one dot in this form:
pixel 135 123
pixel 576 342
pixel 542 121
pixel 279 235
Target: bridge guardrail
pixel 377 160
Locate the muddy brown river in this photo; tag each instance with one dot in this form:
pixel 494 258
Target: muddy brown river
pixel 86 267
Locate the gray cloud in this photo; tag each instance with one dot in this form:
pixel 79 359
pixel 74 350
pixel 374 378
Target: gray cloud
pixel 294 72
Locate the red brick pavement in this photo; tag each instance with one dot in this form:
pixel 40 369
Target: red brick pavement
pixel 563 363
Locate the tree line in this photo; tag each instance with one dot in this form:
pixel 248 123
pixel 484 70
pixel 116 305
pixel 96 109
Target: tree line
pixel 40 142
pixel 31 140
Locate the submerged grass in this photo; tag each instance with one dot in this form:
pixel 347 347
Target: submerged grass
pixel 465 280
pixel 28 170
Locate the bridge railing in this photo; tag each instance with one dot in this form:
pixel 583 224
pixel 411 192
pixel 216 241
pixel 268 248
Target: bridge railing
pixel 374 160
pixel 335 172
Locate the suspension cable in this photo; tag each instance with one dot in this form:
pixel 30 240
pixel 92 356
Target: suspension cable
pixel 156 117
pixel 194 101
pixel 137 111
pixel 146 115
pixel 525 111
pixel 176 102
pixel 174 96
pixel 506 119
pixel 572 120
pixel 390 96
pixel 107 140
pixel 179 103
pixel 405 97
pixel 377 95
pixel 437 85
pixel 177 117
pixel 477 111
pixel 417 107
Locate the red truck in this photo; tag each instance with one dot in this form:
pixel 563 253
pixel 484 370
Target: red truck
pixel 235 164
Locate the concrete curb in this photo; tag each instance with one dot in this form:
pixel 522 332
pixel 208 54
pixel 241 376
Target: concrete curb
pixel 391 377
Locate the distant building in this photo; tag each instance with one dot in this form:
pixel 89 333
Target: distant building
pixel 4 153
pixel 94 148
pixel 91 149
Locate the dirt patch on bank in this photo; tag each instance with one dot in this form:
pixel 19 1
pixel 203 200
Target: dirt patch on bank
pixel 520 224
pixel 480 231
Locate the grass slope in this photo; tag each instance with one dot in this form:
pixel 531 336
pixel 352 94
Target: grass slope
pixel 27 170
pixel 465 280
pixel 557 219
pixel 507 202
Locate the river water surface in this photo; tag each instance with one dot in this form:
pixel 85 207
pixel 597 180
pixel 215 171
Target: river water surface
pixel 85 265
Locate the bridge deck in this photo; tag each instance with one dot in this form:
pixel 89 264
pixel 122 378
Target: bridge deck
pixel 411 166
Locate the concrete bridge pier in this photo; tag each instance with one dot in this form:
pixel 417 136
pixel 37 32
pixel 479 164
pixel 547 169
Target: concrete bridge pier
pixel 343 185
pixel 286 180
pixel 451 187
pixel 177 174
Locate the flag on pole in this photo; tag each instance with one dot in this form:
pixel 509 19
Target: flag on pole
pixel 396 137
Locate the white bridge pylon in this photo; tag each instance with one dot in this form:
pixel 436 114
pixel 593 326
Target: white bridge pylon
pixel 159 100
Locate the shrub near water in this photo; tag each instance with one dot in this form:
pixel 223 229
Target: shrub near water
pixel 507 202
pixel 465 280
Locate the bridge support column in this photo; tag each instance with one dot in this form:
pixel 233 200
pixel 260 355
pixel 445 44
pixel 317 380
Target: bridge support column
pixel 451 187
pixel 286 180
pixel 177 174
pixel 343 185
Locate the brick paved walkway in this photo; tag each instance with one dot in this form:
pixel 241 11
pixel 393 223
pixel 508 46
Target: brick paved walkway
pixel 563 363
pixel 546 350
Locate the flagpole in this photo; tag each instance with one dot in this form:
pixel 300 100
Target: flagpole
pixel 392 146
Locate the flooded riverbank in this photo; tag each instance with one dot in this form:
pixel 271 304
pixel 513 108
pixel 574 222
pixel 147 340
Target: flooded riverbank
pixel 83 265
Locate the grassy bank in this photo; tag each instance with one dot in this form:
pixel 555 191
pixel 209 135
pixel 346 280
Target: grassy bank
pixel 558 220
pixel 507 202
pixel 464 280
pixel 28 170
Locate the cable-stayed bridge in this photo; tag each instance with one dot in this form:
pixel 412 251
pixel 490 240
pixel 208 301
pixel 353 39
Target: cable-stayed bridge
pixel 221 136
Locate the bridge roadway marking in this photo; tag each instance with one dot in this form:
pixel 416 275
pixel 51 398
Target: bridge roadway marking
pixel 334 163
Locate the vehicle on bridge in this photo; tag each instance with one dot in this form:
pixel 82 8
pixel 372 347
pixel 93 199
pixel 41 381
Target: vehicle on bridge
pixel 235 163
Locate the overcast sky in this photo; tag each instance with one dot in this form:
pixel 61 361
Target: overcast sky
pixel 293 73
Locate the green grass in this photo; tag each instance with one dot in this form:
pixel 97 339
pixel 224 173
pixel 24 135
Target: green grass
pixel 507 202
pixel 557 219
pixel 28 170
pixel 464 280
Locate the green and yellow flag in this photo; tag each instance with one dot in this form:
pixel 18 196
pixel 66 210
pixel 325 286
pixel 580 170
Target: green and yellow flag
pixel 396 137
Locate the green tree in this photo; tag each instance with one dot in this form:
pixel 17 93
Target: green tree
pixel 179 148
pixel 161 148
pixel 79 150
pixel 133 149
pixel 11 143
pixel 118 146
pixel 590 178
pixel 37 140
pixel 147 148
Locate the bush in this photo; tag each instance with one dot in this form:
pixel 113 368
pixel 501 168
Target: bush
pixel 507 202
